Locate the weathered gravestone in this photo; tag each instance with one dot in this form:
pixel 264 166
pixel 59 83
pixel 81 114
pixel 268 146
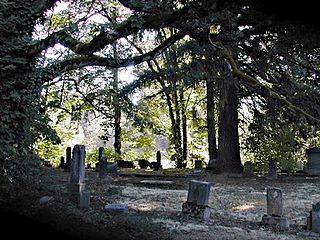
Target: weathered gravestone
pixel 198 164
pixel 102 162
pixel 313 164
pixel 158 159
pixel 197 201
pixel 314 219
pixel 272 170
pixel 248 169
pixel 62 163
pixel 76 186
pixel 274 217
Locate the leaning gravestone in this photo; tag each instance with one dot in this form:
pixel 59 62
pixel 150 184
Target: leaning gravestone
pixel 76 186
pixel 197 201
pixel 274 217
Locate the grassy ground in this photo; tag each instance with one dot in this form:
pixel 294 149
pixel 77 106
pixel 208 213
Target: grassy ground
pixel 236 203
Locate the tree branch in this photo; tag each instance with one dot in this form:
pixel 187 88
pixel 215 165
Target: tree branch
pixel 224 51
pixel 84 61
pixel 135 23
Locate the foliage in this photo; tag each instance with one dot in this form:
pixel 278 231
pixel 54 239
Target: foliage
pixel 271 137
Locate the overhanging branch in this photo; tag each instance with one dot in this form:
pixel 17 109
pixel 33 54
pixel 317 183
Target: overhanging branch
pixel 93 60
pixel 257 84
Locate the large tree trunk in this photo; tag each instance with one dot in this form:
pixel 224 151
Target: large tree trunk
pixel 211 123
pixel 229 148
pixel 177 129
pixel 19 86
pixel 184 128
pixel 116 105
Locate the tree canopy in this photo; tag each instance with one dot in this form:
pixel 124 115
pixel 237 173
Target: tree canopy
pixel 250 50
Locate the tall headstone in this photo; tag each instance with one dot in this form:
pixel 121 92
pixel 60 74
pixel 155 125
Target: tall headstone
pixel 77 168
pixel 315 218
pixel 158 158
pixel 68 158
pixel 274 217
pixel 197 201
pixel 102 162
pixel 77 175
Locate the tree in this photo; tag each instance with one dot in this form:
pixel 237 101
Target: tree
pixel 256 36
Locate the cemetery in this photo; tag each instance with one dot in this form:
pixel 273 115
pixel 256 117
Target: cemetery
pixel 176 204
pixel 159 120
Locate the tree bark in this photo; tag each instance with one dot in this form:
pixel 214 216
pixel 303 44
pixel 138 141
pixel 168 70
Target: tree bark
pixel 211 122
pixel 229 147
pixel 184 128
pixel 117 108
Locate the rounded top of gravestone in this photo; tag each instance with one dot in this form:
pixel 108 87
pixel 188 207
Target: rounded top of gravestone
pixel 313 150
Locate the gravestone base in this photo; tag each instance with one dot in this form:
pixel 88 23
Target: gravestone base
pixel 116 208
pixel 196 211
pixel 82 199
pixel 76 187
pixel 275 222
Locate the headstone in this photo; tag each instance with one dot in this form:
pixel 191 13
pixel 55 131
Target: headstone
pixel 77 176
pixel 274 202
pixel 198 164
pixel 102 162
pixel 68 158
pixel 62 163
pixel 197 201
pixel 158 157
pixel 315 218
pixel 274 217
pixel 212 165
pixel 272 170
pixel 313 164
pixel 143 163
pixel 112 167
pixel 248 169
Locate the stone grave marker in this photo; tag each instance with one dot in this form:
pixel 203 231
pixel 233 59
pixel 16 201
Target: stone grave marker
pixel 315 218
pixel 62 163
pixel 198 164
pixel 274 217
pixel 248 169
pixel 76 186
pixel 272 170
pixel 158 159
pixel 197 201
pixel 116 208
pixel 313 164
pixel 68 158
pixel 102 162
